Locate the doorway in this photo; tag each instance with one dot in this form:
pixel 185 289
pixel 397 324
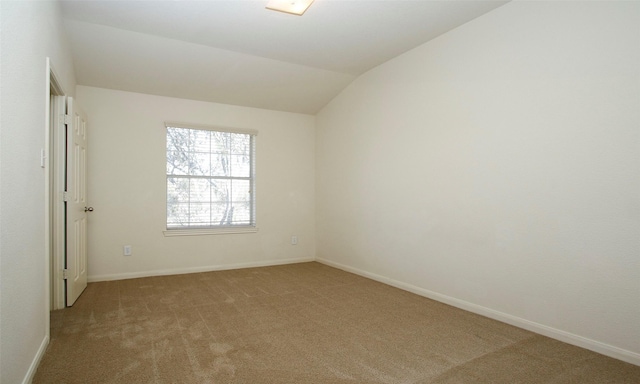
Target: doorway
pixel 66 197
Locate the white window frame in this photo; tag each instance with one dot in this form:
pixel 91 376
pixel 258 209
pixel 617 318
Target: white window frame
pixel 222 229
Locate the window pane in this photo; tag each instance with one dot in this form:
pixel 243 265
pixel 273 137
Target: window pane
pixel 240 144
pixel 178 139
pixel 201 164
pixel 200 213
pixel 240 165
pixel 242 213
pixel 177 163
pixel 220 142
pixel 201 141
pixel 241 190
pixel 199 190
pixel 221 213
pixel 177 214
pixel 220 190
pixel 220 164
pixel 177 190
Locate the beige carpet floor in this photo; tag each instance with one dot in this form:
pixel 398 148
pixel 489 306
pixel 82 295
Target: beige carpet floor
pixel 300 323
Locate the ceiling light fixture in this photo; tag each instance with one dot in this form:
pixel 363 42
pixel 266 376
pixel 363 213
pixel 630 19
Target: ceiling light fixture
pixel 294 7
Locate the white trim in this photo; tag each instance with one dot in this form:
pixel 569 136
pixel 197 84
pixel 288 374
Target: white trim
pixel 567 337
pixel 182 271
pixel 48 208
pixel 36 361
pixel 245 131
pixel 209 231
pixel 58 155
pixel 54 222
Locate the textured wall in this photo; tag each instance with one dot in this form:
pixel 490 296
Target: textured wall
pixel 498 166
pixel 31 32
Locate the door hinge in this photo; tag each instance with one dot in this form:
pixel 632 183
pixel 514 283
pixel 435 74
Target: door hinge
pixel 65 196
pixel 65 274
pixel 67 119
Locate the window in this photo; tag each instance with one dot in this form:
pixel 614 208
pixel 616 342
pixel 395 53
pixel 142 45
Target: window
pixel 210 178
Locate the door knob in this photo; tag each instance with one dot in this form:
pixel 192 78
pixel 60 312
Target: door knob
pixel 88 209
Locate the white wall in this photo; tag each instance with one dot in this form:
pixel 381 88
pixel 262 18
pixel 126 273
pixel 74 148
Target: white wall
pixel 497 168
pixel 127 183
pixel 31 31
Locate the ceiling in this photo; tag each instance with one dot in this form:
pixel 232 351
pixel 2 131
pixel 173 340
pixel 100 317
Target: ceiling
pixel 237 52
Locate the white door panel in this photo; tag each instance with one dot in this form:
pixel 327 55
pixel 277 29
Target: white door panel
pixel 77 204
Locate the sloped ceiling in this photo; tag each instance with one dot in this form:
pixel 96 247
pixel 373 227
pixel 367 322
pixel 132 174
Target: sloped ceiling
pixel 237 52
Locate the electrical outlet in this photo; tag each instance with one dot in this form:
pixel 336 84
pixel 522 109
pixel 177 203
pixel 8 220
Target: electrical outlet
pixel 294 240
pixel 127 250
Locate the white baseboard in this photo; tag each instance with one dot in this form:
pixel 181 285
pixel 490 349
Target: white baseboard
pixel 36 361
pixel 570 338
pixel 181 271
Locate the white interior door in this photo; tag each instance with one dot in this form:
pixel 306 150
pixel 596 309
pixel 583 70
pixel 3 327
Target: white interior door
pixel 76 202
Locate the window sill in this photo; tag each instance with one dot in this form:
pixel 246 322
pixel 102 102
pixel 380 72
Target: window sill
pixel 208 231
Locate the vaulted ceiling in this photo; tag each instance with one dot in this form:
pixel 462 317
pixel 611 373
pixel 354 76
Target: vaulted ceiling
pixel 238 52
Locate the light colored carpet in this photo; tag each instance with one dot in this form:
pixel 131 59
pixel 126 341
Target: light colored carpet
pixel 300 323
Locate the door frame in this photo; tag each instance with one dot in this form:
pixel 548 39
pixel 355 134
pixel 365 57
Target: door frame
pixel 55 232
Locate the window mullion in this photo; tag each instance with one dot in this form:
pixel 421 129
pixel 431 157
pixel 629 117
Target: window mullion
pixel 211 177
pixel 230 212
pixel 210 180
